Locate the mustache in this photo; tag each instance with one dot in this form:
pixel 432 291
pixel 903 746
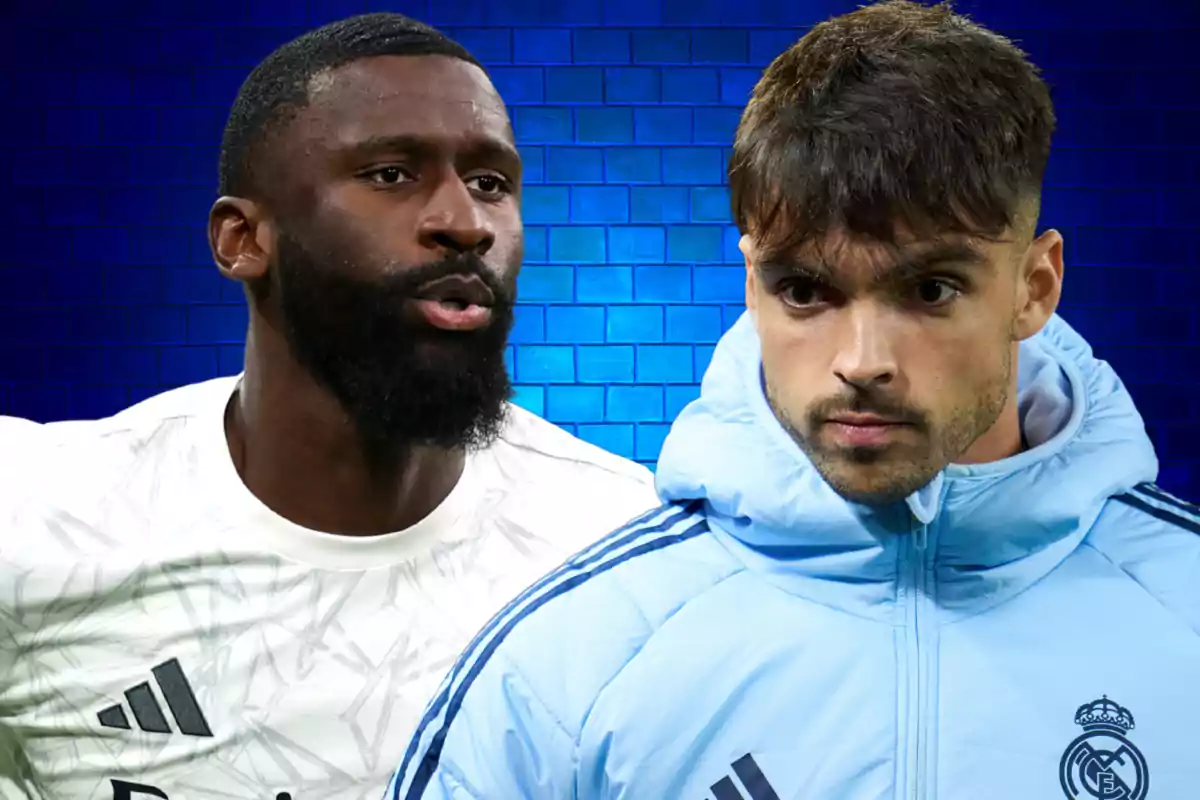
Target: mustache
pixel 405 283
pixel 865 402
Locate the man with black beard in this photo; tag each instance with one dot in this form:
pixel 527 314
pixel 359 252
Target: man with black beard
pixel 249 588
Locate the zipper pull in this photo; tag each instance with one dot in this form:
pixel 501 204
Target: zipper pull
pixel 921 540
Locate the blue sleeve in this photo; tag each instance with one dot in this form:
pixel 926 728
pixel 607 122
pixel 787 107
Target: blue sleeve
pixel 486 736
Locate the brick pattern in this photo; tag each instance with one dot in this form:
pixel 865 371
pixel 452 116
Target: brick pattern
pixel 624 110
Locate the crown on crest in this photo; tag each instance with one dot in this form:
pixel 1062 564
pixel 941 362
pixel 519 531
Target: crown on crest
pixel 1104 714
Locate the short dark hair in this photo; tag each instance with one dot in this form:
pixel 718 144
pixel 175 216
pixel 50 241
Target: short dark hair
pixel 278 87
pixel 897 116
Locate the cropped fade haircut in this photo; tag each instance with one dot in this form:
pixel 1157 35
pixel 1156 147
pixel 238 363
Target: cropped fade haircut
pixel 278 87
pixel 897 118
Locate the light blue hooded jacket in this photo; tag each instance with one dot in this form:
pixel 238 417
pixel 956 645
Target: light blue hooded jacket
pixel 1022 630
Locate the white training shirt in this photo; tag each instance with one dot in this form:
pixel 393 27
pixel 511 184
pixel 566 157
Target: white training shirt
pixel 164 634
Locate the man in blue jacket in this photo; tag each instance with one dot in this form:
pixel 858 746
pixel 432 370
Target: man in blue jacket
pixel 911 546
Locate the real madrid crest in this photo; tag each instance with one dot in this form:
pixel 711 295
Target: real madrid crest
pixel 1102 763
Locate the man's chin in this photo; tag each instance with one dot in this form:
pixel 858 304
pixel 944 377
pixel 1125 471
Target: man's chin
pixel 387 440
pixel 473 344
pixel 872 478
pixel 442 342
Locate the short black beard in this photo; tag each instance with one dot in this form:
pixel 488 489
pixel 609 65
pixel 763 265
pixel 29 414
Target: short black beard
pixel 403 382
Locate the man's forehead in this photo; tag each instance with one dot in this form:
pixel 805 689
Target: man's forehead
pixel 420 95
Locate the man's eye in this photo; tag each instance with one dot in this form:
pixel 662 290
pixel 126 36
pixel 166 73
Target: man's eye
pixel 389 176
pixel 935 292
pixel 804 293
pixel 492 185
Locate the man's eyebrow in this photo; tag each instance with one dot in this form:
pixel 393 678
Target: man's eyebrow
pixel 778 262
pixel 386 144
pixel 796 266
pixel 958 254
pixel 907 265
pixel 479 149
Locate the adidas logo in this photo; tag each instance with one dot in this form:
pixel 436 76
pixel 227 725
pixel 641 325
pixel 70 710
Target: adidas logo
pixel 147 712
pixel 752 779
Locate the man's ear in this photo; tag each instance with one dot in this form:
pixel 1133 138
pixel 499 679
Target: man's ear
pixel 241 238
pixel 1039 286
pixel 747 248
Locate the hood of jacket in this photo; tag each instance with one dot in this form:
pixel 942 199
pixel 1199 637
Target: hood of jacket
pixel 987 531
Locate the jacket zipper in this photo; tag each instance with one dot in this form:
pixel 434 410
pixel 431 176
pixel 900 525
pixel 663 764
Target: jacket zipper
pixel 921 670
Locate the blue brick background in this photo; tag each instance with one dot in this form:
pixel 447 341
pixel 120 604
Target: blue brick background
pixel 624 110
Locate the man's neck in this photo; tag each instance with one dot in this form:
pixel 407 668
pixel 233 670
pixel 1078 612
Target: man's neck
pixel 299 453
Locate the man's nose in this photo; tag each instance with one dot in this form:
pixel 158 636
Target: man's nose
pixel 865 357
pixel 453 222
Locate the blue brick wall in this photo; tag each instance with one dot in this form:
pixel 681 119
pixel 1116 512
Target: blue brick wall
pixel 624 110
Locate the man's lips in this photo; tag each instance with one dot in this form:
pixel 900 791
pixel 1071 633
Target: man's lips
pixel 456 303
pixel 864 430
pixel 460 290
pixel 864 420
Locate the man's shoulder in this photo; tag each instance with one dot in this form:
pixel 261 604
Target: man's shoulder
pixel 571 633
pixel 1154 537
pixel 1150 510
pixel 637 576
pixel 140 420
pixel 554 481
pixel 543 445
pixel 51 463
